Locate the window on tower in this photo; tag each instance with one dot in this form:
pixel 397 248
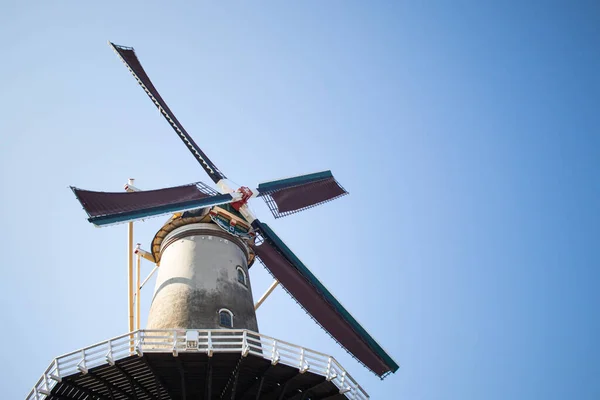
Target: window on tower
pixel 241 275
pixel 225 318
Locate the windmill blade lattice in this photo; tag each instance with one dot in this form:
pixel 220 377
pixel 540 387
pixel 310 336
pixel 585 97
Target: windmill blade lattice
pixel 108 208
pixel 292 195
pixel 127 54
pixel 322 306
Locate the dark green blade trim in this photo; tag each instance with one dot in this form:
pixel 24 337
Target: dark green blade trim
pixel 288 196
pixel 156 211
pixel 268 233
pixel 294 181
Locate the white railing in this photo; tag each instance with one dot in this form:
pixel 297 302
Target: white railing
pixel 209 341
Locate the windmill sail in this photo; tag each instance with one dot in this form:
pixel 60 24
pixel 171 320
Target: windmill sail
pixel 107 208
pixel 128 56
pixel 289 196
pixel 322 306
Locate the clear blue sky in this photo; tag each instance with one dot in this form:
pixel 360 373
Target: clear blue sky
pixel 466 132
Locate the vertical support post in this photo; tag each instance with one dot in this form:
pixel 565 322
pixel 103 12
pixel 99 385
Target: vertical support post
pixel 130 273
pixel 137 293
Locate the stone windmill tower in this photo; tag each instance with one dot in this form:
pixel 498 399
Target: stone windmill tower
pixel 202 339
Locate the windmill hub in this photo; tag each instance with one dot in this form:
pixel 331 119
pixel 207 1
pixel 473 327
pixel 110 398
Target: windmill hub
pixel 246 195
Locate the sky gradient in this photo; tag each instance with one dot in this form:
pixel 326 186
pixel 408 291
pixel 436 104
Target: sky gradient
pixel 467 134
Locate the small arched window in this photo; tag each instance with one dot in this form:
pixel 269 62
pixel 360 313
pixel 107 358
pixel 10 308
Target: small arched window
pixel 225 318
pixel 241 275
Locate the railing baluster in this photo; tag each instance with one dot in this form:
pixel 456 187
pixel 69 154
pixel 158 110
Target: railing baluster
pixel 209 350
pixel 138 344
pixel 109 354
pixel 56 376
pixel 46 389
pixel 342 388
pixel 304 366
pixel 175 353
pixel 81 364
pixel 275 354
pixel 245 346
pixel 329 375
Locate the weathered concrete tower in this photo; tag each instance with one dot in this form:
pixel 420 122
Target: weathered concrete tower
pixel 203 280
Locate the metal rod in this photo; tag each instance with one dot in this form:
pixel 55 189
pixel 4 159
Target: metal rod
pixel 208 394
pixel 160 385
pixel 182 375
pixel 89 393
pixel 267 293
pixel 149 276
pixel 137 294
pixel 283 390
pixel 135 383
pixel 260 386
pixel 235 379
pixel 109 385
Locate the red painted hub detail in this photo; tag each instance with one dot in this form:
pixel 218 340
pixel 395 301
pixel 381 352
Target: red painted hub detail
pixel 246 194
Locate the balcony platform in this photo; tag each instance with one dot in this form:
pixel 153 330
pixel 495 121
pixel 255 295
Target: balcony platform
pixel 195 364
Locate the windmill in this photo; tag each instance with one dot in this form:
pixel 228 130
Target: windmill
pixel 202 338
